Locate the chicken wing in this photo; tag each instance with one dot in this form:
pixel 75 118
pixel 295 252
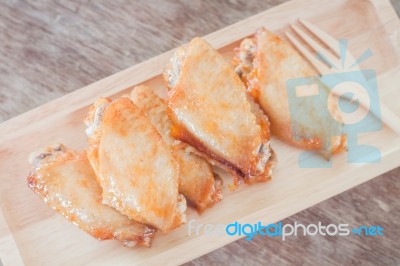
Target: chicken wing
pixel 265 63
pixel 134 166
pixel 197 182
pixel 210 111
pixel 65 180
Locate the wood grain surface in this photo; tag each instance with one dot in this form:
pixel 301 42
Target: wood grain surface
pixel 50 48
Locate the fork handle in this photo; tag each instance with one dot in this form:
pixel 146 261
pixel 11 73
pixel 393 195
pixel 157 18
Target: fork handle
pixel 390 118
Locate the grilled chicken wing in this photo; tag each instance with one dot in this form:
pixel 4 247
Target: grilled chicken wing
pixel 196 179
pixel 209 110
pixel 265 63
pixel 65 180
pixel 134 166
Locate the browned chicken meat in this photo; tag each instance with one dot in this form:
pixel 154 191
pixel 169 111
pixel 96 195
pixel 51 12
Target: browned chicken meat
pixel 210 111
pixel 134 166
pixel 265 63
pixel 197 182
pixel 64 179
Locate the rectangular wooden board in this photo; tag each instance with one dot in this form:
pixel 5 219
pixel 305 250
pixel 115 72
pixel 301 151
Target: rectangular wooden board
pixel 33 234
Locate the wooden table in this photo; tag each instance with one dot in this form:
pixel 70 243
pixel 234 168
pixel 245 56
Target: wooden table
pixel 50 48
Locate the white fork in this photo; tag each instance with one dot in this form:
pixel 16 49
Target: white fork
pixel 388 117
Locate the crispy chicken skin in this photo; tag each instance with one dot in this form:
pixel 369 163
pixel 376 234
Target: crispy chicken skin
pixel 134 166
pixel 197 182
pixel 265 63
pixel 210 111
pixel 64 179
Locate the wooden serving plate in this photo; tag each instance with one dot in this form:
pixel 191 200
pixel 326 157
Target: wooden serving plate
pixel 32 233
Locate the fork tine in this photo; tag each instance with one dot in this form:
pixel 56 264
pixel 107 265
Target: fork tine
pixel 332 61
pixel 324 37
pixel 388 117
pixel 321 67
